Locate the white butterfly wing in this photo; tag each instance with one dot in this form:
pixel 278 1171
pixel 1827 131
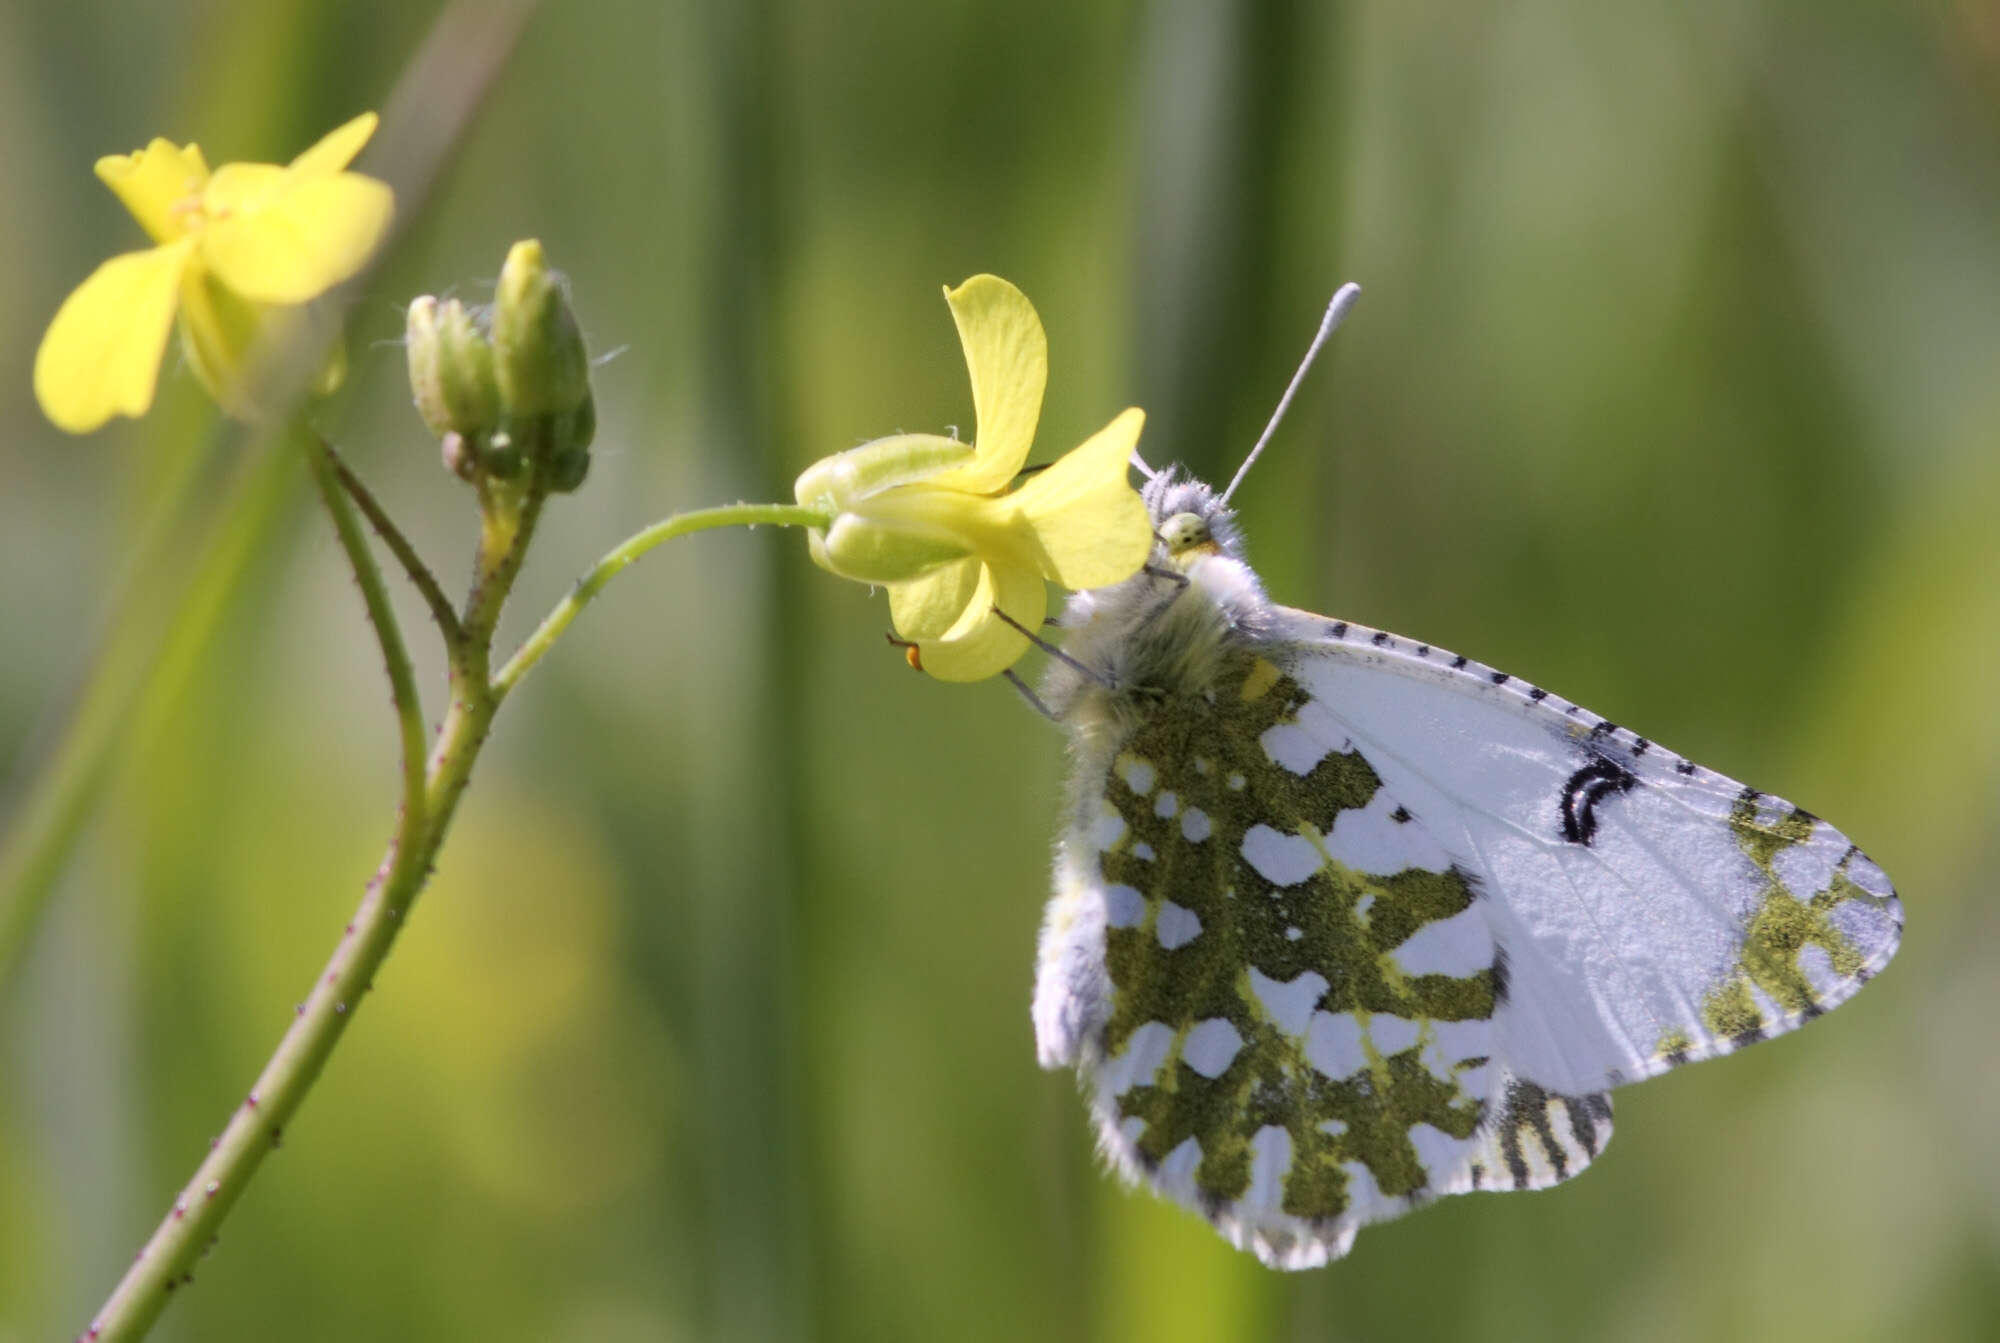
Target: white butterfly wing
pixel 1348 923
pixel 1650 912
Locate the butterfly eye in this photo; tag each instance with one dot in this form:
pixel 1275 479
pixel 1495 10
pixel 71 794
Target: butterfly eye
pixel 1184 532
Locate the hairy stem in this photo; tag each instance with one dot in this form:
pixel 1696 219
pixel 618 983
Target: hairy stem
pixel 330 476
pixel 432 789
pixel 419 573
pixel 431 797
pixel 258 1122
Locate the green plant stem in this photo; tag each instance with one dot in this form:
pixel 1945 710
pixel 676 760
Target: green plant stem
pixel 256 1125
pixel 420 574
pixel 632 548
pixel 327 473
pixel 432 791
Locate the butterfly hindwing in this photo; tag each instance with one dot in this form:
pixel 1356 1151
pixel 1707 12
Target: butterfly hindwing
pixel 1293 1030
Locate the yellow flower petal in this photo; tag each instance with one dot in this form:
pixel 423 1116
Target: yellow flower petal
pixel 336 148
pixel 1092 526
pixel 981 644
pixel 925 608
pixel 1008 357
pixel 101 356
pixel 239 187
pixel 303 240
pixel 155 183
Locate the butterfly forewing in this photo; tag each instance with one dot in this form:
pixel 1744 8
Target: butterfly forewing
pixel 1652 911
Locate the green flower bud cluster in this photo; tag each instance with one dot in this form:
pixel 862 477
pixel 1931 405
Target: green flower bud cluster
pixel 507 388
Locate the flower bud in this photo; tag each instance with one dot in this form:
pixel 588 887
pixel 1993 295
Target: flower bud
pixel 451 369
pixel 540 360
pixel 420 346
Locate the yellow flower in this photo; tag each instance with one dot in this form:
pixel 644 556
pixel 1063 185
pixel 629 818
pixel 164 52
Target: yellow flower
pixel 239 249
pixel 933 520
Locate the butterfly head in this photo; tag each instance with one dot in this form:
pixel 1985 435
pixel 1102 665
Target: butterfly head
pixel 1190 520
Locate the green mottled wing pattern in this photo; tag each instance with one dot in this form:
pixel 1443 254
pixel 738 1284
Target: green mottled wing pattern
pixel 1301 988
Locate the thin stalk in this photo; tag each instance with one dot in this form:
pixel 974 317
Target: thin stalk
pixel 258 1123
pixel 419 573
pixel 632 548
pixel 327 474
pixel 432 792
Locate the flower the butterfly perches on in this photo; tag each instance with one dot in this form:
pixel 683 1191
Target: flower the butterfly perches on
pixel 933 520
pixel 239 250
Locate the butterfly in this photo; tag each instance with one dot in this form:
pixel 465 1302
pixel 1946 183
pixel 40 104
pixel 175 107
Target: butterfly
pixel 1344 922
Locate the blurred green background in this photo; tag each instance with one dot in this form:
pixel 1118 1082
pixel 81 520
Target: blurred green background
pixel 1676 388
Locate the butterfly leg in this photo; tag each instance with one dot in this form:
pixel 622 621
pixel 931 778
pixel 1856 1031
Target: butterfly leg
pixel 1052 650
pixel 1028 694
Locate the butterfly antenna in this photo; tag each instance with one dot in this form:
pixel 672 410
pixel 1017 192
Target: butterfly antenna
pixel 1343 299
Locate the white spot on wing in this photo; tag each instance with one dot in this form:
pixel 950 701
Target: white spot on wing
pixel 1270 1158
pixel 1195 826
pixel 1333 1044
pixel 1369 839
pixel 1123 907
pixel 1166 804
pixel 1138 774
pixel 1807 869
pixel 1176 1173
pixel 1176 926
pixel 1459 946
pixel 1211 1047
pixel 1392 1035
pixel 1442 1155
pixel 1292 747
pixel 1108 828
pixel 1289 1003
pixel 1282 860
pixel 1862 871
pixel 1142 851
pixel 1139 1063
pixel 1817 966
pixel 1363 1194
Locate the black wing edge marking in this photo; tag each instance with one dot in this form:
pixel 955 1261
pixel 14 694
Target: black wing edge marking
pixel 1526 1109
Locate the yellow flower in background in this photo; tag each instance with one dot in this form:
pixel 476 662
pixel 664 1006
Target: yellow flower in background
pixel 933 520
pixel 238 251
